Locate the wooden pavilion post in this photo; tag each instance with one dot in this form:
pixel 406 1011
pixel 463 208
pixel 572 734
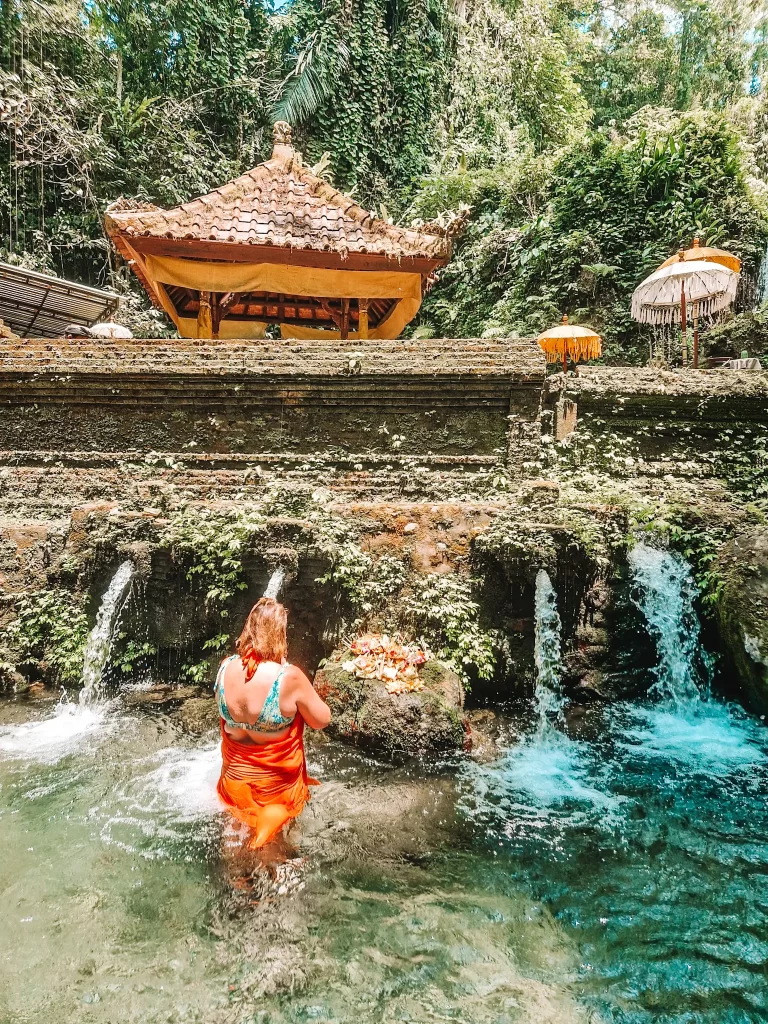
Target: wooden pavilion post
pixel 344 319
pixel 362 305
pixel 215 314
pixel 204 317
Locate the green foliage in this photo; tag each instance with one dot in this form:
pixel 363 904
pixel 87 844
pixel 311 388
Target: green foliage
pixel 50 625
pixel 618 205
pixel 420 107
pixel 512 88
pixel 438 608
pixel 744 465
pixel 364 582
pixel 441 610
pixel 211 546
pixel 747 331
pixel 365 84
pixel 697 540
pixel 683 54
pixel 197 672
pixel 128 651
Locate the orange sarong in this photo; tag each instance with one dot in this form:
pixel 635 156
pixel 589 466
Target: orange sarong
pixel 265 784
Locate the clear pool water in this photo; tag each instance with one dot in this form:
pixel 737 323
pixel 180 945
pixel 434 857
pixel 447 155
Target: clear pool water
pixel 619 877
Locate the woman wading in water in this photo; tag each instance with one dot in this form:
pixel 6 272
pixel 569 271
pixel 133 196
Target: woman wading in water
pixel 264 703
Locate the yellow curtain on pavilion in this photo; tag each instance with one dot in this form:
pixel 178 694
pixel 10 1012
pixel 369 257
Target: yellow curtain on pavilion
pixel 403 287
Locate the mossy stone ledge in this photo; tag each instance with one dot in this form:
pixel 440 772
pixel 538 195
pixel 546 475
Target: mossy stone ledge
pixel 742 614
pixel 415 723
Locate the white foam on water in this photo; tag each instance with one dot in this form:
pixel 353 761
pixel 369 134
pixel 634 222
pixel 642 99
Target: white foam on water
pixel 547 774
pixel 543 788
pixel 50 739
pixel 710 738
pixel 184 783
pixel 553 770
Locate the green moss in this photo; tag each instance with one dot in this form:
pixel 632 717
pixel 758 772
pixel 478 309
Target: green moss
pixel 51 626
pixel 442 611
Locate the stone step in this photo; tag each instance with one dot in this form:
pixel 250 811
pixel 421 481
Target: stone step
pixel 448 357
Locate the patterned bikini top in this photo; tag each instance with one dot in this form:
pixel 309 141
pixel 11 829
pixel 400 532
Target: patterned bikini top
pixel 270 717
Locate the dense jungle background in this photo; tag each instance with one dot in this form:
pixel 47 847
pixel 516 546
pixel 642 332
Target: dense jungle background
pixel 589 139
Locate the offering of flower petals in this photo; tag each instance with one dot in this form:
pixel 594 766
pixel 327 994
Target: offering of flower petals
pixel 389 658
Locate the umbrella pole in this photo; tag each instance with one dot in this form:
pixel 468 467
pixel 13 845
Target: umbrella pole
pixel 565 360
pixel 684 325
pixel 695 335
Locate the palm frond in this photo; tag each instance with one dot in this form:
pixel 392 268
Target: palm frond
pixel 311 81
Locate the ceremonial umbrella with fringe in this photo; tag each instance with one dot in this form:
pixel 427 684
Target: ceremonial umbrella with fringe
pixel 708 254
pixel 570 340
pixel 692 275
pixel 663 298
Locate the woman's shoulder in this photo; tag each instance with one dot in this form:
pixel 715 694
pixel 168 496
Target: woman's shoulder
pixel 293 675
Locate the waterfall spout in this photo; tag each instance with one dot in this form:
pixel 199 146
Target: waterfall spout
pixel 549 696
pixel 275 583
pixel 664 591
pixel 762 281
pixel 100 640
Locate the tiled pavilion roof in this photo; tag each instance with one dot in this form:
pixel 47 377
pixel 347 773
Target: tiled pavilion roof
pixel 280 203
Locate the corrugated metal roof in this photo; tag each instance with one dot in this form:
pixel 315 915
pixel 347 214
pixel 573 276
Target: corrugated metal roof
pixel 39 306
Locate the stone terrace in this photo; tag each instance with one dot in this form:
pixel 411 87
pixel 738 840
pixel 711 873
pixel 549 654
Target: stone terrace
pixel 518 361
pixel 88 419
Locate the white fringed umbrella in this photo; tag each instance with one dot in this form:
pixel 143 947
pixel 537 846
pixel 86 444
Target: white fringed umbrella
pixel 707 253
pixel 663 297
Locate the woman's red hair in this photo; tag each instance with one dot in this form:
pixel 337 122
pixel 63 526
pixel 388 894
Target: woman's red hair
pixel 264 634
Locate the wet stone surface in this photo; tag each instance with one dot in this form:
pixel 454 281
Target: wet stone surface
pixel 414 723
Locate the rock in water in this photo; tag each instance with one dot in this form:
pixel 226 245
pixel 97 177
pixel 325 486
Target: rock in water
pixel 419 722
pixel 198 715
pixel 741 614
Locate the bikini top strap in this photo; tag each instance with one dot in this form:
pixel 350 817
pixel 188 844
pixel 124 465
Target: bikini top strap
pixel 219 684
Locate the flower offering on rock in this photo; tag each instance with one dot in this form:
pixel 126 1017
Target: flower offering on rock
pixel 388 658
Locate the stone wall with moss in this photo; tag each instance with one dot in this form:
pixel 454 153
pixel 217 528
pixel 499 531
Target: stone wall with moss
pixel 441 397
pixel 442 546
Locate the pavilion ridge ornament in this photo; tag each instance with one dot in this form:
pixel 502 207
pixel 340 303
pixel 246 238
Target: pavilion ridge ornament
pixel 280 245
pixel 281 133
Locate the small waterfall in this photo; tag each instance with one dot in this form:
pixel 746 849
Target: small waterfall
pixel 100 640
pixel 664 591
pixel 549 696
pixel 762 281
pixel 275 583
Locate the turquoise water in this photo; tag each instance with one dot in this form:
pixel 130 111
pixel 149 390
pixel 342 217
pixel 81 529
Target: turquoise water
pixel 622 877
pixel 649 846
pixel 614 869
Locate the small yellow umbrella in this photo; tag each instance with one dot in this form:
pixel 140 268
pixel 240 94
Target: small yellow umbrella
pixel 570 340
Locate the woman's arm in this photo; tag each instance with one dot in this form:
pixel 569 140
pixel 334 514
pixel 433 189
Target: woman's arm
pixel 312 708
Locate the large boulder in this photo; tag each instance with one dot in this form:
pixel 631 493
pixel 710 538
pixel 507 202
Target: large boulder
pixel 742 614
pixel 417 722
